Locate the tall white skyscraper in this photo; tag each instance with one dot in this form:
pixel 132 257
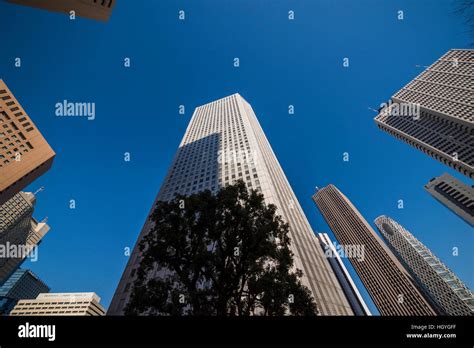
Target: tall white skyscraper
pixel 222 144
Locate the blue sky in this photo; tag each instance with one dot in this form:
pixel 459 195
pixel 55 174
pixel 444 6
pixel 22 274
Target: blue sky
pixel 191 62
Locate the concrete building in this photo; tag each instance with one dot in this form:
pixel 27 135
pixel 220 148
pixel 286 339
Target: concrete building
pixel 388 283
pixel 23 284
pixel 60 304
pixel 347 284
pixel 24 153
pixel 15 225
pixel 443 126
pixel 222 144
pixel 94 9
pixel 450 294
pixel 454 195
pixel 36 233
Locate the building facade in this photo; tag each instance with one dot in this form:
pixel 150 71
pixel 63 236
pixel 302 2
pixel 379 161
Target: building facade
pixel 450 294
pixel 24 153
pixel 454 195
pixel 15 225
pixel 23 284
pixel 444 126
pixel 60 304
pixel 95 9
pixel 36 233
pixel 222 144
pixel 347 283
pixel 388 283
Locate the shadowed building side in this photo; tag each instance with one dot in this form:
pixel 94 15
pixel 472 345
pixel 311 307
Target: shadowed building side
pixel 22 285
pixel 444 125
pixel 454 195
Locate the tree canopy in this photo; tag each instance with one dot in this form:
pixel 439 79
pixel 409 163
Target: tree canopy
pixel 225 254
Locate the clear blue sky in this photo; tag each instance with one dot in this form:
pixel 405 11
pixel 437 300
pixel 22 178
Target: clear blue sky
pixel 174 62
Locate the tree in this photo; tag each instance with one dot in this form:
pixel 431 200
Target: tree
pixel 225 254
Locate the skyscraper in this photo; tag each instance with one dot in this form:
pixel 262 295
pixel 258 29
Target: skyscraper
pixel 60 304
pixel 36 233
pixel 454 194
pixel 222 144
pixel 388 283
pixel 24 153
pixel 95 9
pixel 439 283
pixel 350 289
pixel 15 225
pixel 23 284
pixel 443 127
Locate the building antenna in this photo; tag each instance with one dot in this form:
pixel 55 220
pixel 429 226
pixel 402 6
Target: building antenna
pixel 372 109
pixel 39 190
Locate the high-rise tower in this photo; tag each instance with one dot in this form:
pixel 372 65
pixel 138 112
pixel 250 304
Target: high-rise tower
pixel 95 9
pixel 222 144
pixel 24 153
pixel 15 225
pixel 19 231
pixel 441 285
pixel 350 289
pixel 36 234
pixel 443 126
pixel 388 283
pixel 454 194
